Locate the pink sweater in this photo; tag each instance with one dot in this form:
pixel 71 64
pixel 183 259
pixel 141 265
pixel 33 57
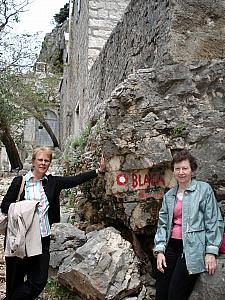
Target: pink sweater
pixel 177 220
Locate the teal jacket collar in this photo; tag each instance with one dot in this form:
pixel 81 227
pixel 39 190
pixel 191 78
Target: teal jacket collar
pixel 192 187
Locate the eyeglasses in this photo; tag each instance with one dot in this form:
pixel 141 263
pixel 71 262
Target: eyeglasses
pixel 46 161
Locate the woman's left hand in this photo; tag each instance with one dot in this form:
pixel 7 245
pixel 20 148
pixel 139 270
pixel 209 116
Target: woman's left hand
pixel 210 263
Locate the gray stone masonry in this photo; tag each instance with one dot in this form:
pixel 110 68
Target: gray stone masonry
pixel 154 33
pixel 89 31
pixel 103 17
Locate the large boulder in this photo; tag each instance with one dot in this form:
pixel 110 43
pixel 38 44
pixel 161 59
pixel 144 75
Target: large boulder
pixel 104 268
pixel 65 239
pixel 211 287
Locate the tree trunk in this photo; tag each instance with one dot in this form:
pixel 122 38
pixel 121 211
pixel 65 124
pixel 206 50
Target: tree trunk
pixel 11 150
pixel 49 131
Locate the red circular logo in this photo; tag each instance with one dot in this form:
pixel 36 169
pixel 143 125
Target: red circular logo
pixel 122 179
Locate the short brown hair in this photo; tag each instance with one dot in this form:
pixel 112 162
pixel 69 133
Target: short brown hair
pixel 184 155
pixel 48 151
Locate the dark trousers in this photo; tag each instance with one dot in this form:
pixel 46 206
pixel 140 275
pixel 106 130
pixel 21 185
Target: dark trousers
pixel 35 269
pixel 175 283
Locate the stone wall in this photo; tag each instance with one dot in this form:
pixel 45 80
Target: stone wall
pixel 153 36
pixel 148 117
pixel 77 68
pixel 137 42
pixel 150 34
pixel 155 33
pixel 90 27
pixel 103 17
pixel 197 30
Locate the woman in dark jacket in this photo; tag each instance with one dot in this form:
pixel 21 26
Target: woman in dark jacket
pixel 46 189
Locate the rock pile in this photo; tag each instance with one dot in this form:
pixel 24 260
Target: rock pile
pixel 99 265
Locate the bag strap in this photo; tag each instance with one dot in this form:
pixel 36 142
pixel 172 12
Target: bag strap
pixel 21 188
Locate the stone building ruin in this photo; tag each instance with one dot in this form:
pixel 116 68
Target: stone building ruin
pixel 90 25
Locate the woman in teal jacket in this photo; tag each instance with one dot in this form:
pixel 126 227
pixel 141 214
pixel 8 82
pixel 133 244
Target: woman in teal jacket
pixel 189 232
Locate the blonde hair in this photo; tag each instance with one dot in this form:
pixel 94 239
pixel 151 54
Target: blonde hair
pixel 47 150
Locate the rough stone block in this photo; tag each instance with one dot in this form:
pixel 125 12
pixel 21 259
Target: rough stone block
pixel 211 287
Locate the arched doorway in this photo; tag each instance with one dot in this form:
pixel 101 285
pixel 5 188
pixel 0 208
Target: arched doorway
pixel 42 138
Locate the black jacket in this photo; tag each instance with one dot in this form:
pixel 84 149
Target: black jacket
pixel 52 186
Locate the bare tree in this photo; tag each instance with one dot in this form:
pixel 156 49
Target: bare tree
pixel 17 97
pixel 10 10
pixel 18 52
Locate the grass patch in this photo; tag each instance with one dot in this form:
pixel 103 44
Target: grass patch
pixel 179 130
pixel 58 292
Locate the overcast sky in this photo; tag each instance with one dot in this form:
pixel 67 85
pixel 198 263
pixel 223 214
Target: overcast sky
pixel 38 16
